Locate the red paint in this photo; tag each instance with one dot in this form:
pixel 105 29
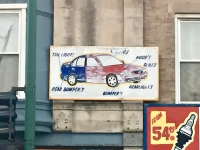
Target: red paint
pixel 175 115
pixel 116 69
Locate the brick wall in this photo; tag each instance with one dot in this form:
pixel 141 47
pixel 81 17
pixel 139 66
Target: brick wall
pixel 159 30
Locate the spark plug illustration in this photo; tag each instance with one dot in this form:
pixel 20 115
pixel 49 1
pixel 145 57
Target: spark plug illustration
pixel 185 133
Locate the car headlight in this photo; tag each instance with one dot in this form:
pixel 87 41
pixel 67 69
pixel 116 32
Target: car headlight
pixel 125 73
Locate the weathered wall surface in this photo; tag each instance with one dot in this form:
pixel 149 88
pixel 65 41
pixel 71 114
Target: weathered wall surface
pixel 118 23
pixel 99 23
pixel 100 117
pixel 159 30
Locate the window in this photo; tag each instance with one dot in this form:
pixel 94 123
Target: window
pixel 108 60
pixel 81 62
pixel 12 46
pixel 92 62
pixel 74 62
pixel 187 58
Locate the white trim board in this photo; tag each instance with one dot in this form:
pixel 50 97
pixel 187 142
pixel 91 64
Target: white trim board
pixel 13 6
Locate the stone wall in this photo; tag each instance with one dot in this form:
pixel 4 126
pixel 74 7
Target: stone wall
pixel 117 23
pixel 99 23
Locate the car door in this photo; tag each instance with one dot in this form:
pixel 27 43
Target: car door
pixel 79 69
pixel 93 71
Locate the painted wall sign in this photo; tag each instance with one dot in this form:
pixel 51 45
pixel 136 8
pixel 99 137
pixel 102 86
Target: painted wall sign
pixel 171 127
pixel 103 73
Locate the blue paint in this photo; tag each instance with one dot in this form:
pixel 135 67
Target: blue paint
pixel 44 5
pixel 75 139
pixel 80 73
pixel 79 139
pixel 73 68
pixel 44 39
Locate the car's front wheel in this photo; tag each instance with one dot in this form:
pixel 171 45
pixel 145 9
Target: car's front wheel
pixel 72 80
pixel 111 80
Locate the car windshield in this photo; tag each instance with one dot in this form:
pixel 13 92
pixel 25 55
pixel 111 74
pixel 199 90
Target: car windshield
pixel 108 60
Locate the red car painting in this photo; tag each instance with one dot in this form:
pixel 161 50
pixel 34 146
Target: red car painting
pixel 101 68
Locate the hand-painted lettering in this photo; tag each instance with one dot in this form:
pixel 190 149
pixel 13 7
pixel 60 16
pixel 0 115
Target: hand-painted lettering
pixel 56 88
pixel 156 118
pixel 141 86
pixel 143 57
pixel 150 64
pixel 73 89
pixel 55 54
pixel 67 54
pixel 114 93
pixel 119 52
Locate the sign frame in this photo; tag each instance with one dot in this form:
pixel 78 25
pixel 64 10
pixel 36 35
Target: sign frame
pixel 146 115
pixel 146 84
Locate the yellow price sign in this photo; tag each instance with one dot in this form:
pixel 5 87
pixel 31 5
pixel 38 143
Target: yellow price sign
pixel 161 131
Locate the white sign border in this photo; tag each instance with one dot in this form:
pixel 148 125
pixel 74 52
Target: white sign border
pixel 104 99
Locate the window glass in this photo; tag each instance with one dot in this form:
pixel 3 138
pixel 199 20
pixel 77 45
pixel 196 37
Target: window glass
pixel 189 43
pixel 189 81
pixel 8 72
pixel 74 62
pixel 81 62
pixel 12 47
pixel 92 62
pixel 108 60
pixel 9 50
pixel 9 25
pixel 190 40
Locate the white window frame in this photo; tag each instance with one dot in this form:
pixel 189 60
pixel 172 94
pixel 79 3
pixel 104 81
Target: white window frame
pixel 178 19
pixel 21 9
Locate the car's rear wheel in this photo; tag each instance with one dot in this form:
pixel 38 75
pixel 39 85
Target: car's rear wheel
pixel 72 80
pixel 111 80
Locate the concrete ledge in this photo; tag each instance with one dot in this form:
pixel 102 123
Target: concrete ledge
pixel 97 117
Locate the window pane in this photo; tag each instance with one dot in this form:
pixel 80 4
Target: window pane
pixel 8 72
pixel 9 32
pixel 108 60
pixel 74 62
pixel 190 40
pixel 92 62
pixel 190 82
pixel 81 62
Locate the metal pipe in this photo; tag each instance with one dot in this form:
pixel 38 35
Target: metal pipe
pixel 30 76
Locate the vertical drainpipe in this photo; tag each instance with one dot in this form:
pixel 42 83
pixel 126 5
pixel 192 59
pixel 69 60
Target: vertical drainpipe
pixel 30 76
